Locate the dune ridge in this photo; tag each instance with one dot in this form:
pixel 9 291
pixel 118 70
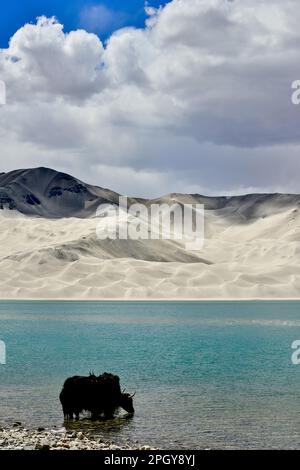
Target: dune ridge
pixel 251 251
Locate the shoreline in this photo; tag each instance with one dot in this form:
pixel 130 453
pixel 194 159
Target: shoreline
pixel 19 438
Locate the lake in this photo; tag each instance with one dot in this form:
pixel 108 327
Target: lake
pixel 206 374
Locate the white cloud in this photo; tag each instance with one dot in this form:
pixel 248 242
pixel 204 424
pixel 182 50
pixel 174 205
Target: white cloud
pixel 42 62
pixel 200 98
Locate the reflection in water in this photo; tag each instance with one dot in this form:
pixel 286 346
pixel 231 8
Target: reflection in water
pixel 101 427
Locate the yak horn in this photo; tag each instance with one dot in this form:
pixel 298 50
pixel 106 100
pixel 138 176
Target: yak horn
pixel 131 396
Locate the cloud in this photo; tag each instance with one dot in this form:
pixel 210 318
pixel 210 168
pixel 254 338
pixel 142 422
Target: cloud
pixel 43 61
pixel 198 100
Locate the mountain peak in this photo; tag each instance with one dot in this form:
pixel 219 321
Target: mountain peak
pixel 49 193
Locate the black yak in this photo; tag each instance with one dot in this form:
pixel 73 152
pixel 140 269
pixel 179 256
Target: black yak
pixel 100 395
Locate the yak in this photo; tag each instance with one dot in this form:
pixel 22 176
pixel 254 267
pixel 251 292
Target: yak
pixel 101 395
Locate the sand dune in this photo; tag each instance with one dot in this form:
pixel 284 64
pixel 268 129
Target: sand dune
pixel 251 250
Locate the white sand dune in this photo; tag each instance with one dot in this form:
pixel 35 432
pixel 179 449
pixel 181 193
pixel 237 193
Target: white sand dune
pixel 251 251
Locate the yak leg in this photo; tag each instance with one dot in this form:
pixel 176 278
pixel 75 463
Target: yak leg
pixel 108 414
pixel 94 414
pixel 68 414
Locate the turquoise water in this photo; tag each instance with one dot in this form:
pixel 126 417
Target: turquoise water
pixel 207 374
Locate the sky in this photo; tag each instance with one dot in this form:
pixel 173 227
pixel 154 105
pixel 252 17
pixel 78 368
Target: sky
pixel 97 17
pixel 190 96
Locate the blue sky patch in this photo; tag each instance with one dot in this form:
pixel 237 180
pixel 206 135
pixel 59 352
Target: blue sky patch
pixel 102 17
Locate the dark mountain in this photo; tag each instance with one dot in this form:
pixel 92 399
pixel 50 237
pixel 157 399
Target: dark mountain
pixel 49 193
